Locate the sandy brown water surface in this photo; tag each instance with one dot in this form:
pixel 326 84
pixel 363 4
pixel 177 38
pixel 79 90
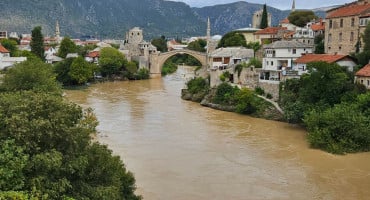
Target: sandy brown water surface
pixel 179 150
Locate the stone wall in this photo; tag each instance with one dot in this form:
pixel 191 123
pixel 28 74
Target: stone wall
pixel 271 88
pixel 248 77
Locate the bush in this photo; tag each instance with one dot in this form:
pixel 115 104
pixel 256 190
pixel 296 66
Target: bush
pixel 259 91
pixel 269 96
pixel 246 102
pixel 225 94
pixel 197 85
pixel 143 73
pixel 168 68
pixel 340 129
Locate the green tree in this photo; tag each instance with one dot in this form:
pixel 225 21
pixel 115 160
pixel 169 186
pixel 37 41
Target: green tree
pixel 12 164
pixel 81 71
pixel 131 70
pixel 264 19
pixel 255 63
pixel 198 45
pixel 366 38
pixel 10 45
pixel 232 39
pixel 160 43
pixel 29 55
pixel 62 70
pixel 31 75
pixel 111 61
pixel 67 46
pixel 301 17
pixel 37 42
pixel 255 46
pixel 319 44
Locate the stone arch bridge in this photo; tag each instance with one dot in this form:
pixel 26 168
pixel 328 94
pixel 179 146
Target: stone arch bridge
pixel 157 60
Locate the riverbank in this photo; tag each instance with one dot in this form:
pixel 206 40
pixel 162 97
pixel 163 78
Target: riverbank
pixel 266 110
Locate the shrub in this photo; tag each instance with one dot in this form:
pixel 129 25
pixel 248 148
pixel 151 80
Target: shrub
pixel 197 85
pixel 246 102
pixel 225 94
pixel 259 91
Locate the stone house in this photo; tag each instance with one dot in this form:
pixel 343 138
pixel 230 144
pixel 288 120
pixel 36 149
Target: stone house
pixel 93 57
pixel 270 34
pixel 343 27
pixel 363 76
pixel 249 34
pixel 225 59
pixel 257 18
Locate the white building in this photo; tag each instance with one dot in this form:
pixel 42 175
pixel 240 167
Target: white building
pixel 7 61
pixel 225 59
pixel 279 57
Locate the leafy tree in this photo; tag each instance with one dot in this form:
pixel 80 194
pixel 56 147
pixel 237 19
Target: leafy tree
pixel 29 55
pixel 131 70
pixel 319 44
pixel 255 46
pixel 111 61
pixel 198 45
pixel 225 94
pixel 81 71
pixel 343 128
pixel 62 70
pixel 160 43
pixel 11 45
pixel 301 17
pixel 264 22
pixel 67 46
pixel 366 38
pixel 83 50
pixel 31 75
pixel 12 164
pixel 254 62
pixel 37 42
pixel 232 39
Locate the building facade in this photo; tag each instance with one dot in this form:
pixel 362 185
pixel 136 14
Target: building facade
pixel 344 27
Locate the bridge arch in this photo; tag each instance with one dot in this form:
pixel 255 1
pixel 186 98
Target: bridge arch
pixel 157 60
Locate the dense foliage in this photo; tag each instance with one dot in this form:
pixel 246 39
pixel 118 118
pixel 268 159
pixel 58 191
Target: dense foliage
pixel 327 102
pixel 111 61
pixel 10 44
pixel 46 148
pixel 170 66
pixel 66 46
pixel 37 42
pixel 160 43
pixel 264 19
pixel 232 39
pixel 319 44
pixel 198 45
pixel 301 17
pixel 364 56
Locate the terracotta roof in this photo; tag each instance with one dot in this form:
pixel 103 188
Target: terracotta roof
pixel 365 71
pixel 93 54
pixel 320 57
pixel 270 30
pixel 318 27
pixel 3 49
pixel 285 21
pixel 349 10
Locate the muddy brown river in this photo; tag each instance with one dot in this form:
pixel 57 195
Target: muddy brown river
pixel 179 150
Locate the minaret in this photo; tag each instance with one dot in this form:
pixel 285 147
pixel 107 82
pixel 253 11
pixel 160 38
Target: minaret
pixel 208 33
pixel 293 6
pixel 57 30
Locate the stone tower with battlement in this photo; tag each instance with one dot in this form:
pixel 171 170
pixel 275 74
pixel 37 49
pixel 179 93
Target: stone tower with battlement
pixel 257 17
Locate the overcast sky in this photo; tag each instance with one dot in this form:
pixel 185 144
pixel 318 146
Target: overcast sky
pixel 280 4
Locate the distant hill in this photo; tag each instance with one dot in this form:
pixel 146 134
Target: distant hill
pixel 112 18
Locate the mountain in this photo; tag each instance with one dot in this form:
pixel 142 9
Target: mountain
pixel 112 18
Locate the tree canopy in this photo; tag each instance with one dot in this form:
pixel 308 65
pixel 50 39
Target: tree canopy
pixel 111 61
pixel 67 46
pixel 37 42
pixel 232 39
pixel 198 45
pixel 160 43
pixel 301 17
pixel 11 45
pixel 264 19
pixel 81 71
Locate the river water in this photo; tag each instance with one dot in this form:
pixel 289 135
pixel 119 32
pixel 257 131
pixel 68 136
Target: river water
pixel 179 150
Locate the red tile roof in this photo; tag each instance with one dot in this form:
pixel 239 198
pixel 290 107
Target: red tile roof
pixel 320 57
pixel 349 10
pixel 3 49
pixel 270 30
pixel 318 27
pixel 93 54
pixel 365 71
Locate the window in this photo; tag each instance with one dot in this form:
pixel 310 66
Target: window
pixel 352 36
pixel 330 23
pixel 353 22
pixel 341 23
pixel 340 48
pixel 368 82
pixel 294 51
pixel 272 63
pixel 340 37
pixel 329 38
